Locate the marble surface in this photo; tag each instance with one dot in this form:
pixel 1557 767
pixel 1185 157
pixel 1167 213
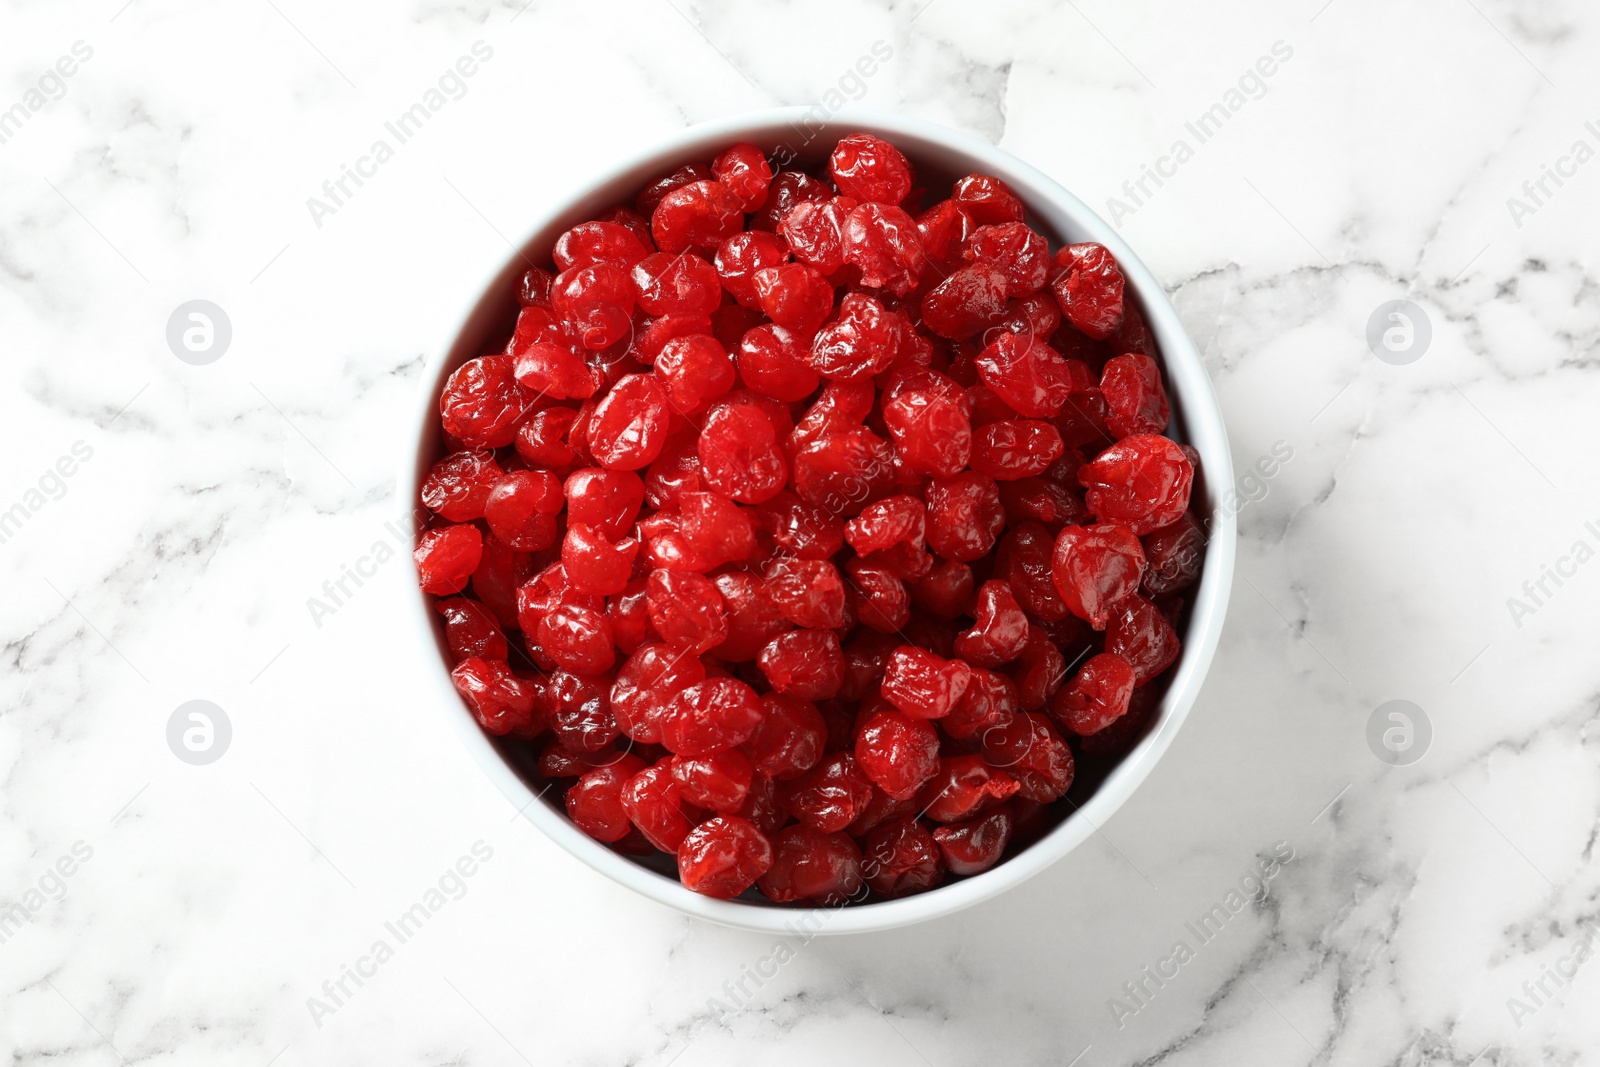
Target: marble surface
pixel 1438 912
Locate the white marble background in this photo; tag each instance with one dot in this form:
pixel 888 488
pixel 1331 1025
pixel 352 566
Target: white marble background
pixel 178 559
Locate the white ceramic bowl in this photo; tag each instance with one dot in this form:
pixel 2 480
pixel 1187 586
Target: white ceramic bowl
pixel 941 155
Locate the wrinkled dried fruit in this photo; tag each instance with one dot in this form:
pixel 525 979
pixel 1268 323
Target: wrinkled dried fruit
pixel 1094 567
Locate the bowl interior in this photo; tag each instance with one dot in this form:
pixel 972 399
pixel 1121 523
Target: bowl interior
pixel 802 138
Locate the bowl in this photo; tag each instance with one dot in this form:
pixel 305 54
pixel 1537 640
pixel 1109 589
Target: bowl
pixel 806 135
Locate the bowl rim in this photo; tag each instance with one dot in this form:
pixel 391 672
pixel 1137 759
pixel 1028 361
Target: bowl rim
pixel 1194 403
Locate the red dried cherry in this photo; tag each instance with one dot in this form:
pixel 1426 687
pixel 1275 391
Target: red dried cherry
pixel 841 406
pixel 973 847
pixel 521 509
pixel 893 520
pixel 794 295
pixel 1013 449
pixel 710 716
pixel 595 802
pixel 1040 670
pixel 741 256
pixel 739 453
pixel 790 739
pixel 1034 754
pixel 809 592
pixel 597 301
pixel 650 196
pixel 970 301
pixel 1024 560
pixel 943 230
pixel 578 639
pixel 901 858
pixel 762 807
pixel 1141 635
pixel 1141 482
pixel 1014 250
pixel 1000 629
pixel 1043 501
pixel 745 170
pixel 551 369
pixel 1094 567
pixel 964 515
pixel 929 417
pixel 814 230
pixel 682 284
pixel 607 500
pixel 806 664
pixel 963 787
pixel 653 336
pixel 630 424
pixel 482 402
pixel 1088 286
pixel 646 684
pixel 830 795
pixel 697 215
pixel 446 557
pixel 695 370
pixel 788 188
pixel 471 630
pixel 899 753
pixel 499 573
pixel 534 288
pixel 458 485
pixel 878 596
pixel 595 565
pixel 812 867
pixel 629 614
pixel 860 341
pixel 989 701
pixel 653 800
pixel 719 782
pixel 499 700
pixel 589 243
pixel 882 240
pixel 922 684
pixel 1027 374
pixel 800 529
pixel 686 610
pixel 882 810
pixel 753 618
pixel 988 200
pixel 773 362
pixel 1135 397
pixel 722 857
pixel 1174 553
pixel 948 590
pixel 870 168
pixel 1038 314
pixel 581 716
pixel 1097 697
pixel 631 220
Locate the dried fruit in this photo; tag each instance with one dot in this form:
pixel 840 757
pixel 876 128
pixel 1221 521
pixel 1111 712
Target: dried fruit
pixel 1088 286
pixel 870 168
pixel 1094 567
pixel 899 753
pixel 722 857
pixel 697 215
pixel 1141 482
pixel 710 716
pixel 1097 697
pixel 812 867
